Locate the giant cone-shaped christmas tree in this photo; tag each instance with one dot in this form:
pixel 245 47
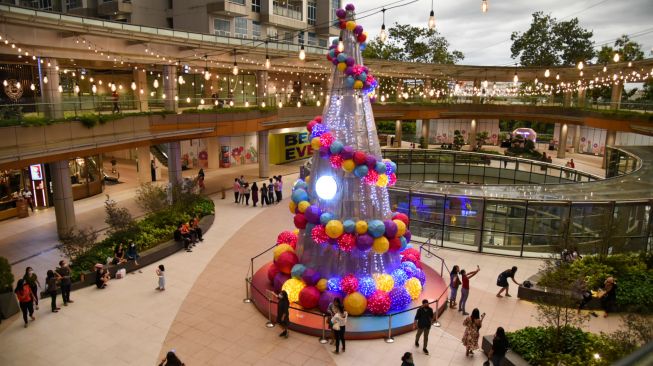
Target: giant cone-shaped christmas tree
pixel 348 242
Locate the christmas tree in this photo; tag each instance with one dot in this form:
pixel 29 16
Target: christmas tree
pixel 348 242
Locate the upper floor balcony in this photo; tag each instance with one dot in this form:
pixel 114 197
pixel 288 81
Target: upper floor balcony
pixel 108 8
pixel 284 13
pixel 232 8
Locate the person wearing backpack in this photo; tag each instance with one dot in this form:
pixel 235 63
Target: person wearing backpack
pixel 26 299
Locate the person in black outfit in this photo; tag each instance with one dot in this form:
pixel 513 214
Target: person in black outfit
pixel 264 195
pixel 499 347
pixel 51 288
pixel 283 314
pixel 423 321
pixel 153 170
pixel 171 359
pixel 64 272
pixel 407 359
pixel 502 280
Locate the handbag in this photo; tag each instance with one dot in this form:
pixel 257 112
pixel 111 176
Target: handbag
pixel 336 325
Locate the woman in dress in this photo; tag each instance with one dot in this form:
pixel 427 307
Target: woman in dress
pixel 472 325
pixel 283 313
pixel 454 283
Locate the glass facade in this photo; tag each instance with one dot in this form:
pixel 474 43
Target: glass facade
pixel 312 13
pixel 240 27
pixel 222 27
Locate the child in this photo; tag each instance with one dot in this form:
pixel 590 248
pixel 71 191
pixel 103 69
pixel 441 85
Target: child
pixel 160 272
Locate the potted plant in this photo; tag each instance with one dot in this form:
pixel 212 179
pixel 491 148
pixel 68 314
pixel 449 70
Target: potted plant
pixel 8 302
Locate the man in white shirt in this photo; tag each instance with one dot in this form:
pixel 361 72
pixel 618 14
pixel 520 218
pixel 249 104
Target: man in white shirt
pixel 27 195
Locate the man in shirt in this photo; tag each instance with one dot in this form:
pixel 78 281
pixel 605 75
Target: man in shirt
pixel 64 272
pixel 423 321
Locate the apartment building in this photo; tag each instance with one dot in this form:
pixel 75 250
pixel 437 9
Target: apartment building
pixel 309 22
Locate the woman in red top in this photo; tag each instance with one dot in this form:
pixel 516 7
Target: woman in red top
pixel 465 290
pixel 26 299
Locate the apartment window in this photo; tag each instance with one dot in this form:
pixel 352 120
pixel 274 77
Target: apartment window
pixel 322 42
pixel 73 4
pixel 312 12
pixel 240 2
pixel 288 37
pixel 240 29
pixel 222 27
pixel 256 6
pixel 335 5
pixel 312 39
pixel 256 29
pixel 170 23
pixel 300 37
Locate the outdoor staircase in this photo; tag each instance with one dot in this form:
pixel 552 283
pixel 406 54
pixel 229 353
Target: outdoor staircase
pixel 160 152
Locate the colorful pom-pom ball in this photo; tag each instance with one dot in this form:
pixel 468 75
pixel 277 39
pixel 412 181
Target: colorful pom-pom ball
pixel 402 217
pixel 380 167
pixel 340 13
pixel 272 271
pixel 358 29
pixel 362 37
pixel 279 280
pixel 336 161
pixel 309 125
pixel 362 77
pixel 350 61
pixel 326 217
pixel 358 84
pixel 333 284
pixel 384 281
pixel 348 165
pixel 349 81
pixel 326 298
pixel 379 303
pixel 376 228
pixel 287 237
pixel 313 214
pixel 326 139
pixel 336 147
pixel 310 276
pixel 302 206
pixel 381 245
pixel 360 171
pixel 292 207
pixel 309 297
pixel 346 242
pixel 414 252
pixel 321 284
pixel 407 235
pixel 399 276
pixel 349 226
pixel 293 287
pixel 315 143
pixel 334 229
pixel 286 261
pixel 414 288
pixel 364 242
pixel 382 180
pixel 350 7
pixel 390 228
pixel 401 227
pixel 404 243
pixel 281 248
pixel 409 268
pixel 349 284
pixel 342 24
pixel 300 221
pixel 361 227
pixel 297 270
pixel 419 274
pixel 341 66
pixel 342 57
pixel 395 244
pixel 366 286
pixel 318 235
pixel 399 299
pixel 355 303
pixel 347 152
pixel 359 157
pixel 299 195
pixel 351 25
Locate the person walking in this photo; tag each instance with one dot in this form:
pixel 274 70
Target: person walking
pixel 64 272
pixel 339 320
pixel 464 292
pixel 115 98
pixel 270 192
pixel 423 321
pixel 264 195
pixel 27 195
pixel 407 359
pixel 33 281
pixel 283 313
pixel 609 297
pixel 499 347
pixel 171 359
pixel 236 190
pixel 26 300
pixel 153 170
pixel 278 189
pixel 161 274
pixel 502 280
pixel 472 325
pixel 454 283
pixel 254 190
pixel 51 289
pixel 247 191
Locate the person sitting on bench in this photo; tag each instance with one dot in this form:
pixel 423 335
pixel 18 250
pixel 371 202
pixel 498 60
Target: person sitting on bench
pixel 178 235
pixel 195 228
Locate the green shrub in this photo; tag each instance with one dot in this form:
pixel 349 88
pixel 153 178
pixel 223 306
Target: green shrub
pixel 6 277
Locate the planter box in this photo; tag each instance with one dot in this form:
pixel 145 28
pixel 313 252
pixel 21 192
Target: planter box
pixel 8 305
pixel 511 359
pixel 547 296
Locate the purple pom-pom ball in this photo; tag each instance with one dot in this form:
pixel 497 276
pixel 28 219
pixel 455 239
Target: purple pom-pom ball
pixel 350 61
pixel 347 152
pixel 312 214
pixel 350 7
pixel 364 242
pixel 370 160
pixel 341 13
pixel 311 276
pixel 326 298
pixel 358 30
pixel 279 280
pixel 349 71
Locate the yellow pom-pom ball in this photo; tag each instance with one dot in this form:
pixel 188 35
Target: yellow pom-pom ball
pixel 401 227
pixel 358 84
pixel 303 205
pixel 342 66
pixel 384 282
pixel 414 288
pixel 380 245
pixel 293 286
pixel 307 179
pixel 361 227
pixel 292 206
pixel 321 285
pixel 348 165
pixel 350 25
pixel 355 303
pixel 315 144
pixel 280 249
pixel 382 181
pixel 334 229
pixel 296 231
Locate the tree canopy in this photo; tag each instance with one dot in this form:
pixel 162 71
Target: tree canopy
pixel 413 44
pixel 628 51
pixel 550 42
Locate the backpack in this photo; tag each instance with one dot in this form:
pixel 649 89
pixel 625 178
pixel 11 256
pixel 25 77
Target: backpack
pixel 24 295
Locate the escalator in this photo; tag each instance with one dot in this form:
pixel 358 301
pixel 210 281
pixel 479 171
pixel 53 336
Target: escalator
pixel 160 152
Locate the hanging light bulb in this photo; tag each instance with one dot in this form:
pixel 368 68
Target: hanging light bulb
pixel 485 83
pixel 176 98
pixel 615 58
pixel 318 103
pixel 280 105
pixel 383 35
pixel 113 87
pixel 60 89
pixel 605 68
pixel 156 83
pixel 45 79
pixel 94 89
pixel 515 79
pixel 5 83
pixel 76 89
pixel 263 104
pixel 484 6
pixel 432 17
pixel 133 86
pixel 341 45
pixel 163 96
pixel 547 73
pixel 181 80
pixel 536 81
pixel 630 64
pixel 32 87
pixel 557 76
pixel 207 75
pixel 18 85
pixel 581 73
pixel 235 69
pixel 246 104
pixel 302 53
pixel 231 103
pixel 267 62
pixel 580 65
pixel 187 99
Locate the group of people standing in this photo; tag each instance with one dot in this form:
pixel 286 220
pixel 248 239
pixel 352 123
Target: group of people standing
pixel 270 192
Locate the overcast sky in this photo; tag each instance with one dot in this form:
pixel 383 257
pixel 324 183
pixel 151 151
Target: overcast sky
pixel 485 38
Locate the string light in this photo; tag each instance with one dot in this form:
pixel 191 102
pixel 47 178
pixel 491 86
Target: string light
pixel 547 73
pixel 45 79
pixel 383 35
pixel 432 18
pixel 302 53
pixel 156 83
pixel 484 6
pixel 580 65
pixel 341 45
pixel 235 69
pixel 133 86
pixel 32 87
pixel 615 58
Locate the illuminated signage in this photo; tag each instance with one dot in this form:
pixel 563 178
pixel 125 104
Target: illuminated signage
pixel 290 146
pixel 36 172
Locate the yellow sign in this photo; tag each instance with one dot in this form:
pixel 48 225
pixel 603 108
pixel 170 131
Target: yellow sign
pixel 285 147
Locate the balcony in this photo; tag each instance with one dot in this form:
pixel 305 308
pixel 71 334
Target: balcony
pixel 114 7
pixel 286 14
pixel 232 8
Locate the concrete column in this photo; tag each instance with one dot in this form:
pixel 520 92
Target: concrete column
pixel 174 163
pixel 418 129
pixel 562 141
pixel 566 102
pixel 50 90
pixel 262 88
pixel 170 88
pixel 263 154
pixel 64 209
pixel 476 99
pixel 615 98
pixel 576 140
pixel 424 139
pixel 141 92
pixel 471 140
pixel 610 137
pixel 143 165
pixel 581 97
pixel 213 149
pixel 398 135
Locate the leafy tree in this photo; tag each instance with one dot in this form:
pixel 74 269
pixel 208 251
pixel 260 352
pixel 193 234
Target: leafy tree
pixel 481 139
pixel 119 219
pixel 549 42
pixel 74 243
pixel 413 44
pixel 458 140
pixel 628 51
pixel 151 197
